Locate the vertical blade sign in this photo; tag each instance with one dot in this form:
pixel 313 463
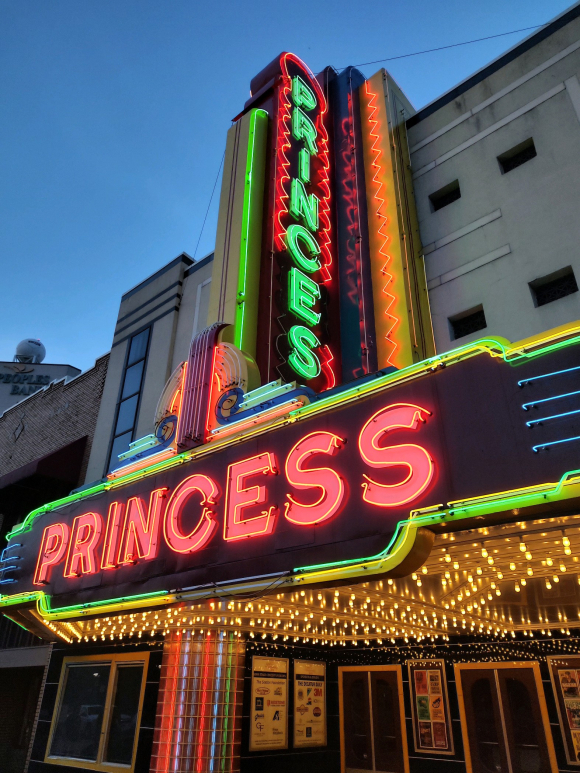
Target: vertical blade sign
pixel 302 228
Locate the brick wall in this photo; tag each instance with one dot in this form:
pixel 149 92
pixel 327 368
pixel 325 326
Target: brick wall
pixel 52 418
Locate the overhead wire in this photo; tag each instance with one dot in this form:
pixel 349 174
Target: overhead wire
pixel 452 45
pixel 209 204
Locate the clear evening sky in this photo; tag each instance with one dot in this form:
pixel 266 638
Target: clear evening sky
pixel 114 118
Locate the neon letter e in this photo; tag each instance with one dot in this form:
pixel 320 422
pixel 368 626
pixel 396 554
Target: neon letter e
pixel 239 498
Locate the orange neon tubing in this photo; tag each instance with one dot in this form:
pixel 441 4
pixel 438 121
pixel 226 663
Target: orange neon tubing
pixel 207 523
pixel 52 550
pixel 328 480
pixel 112 535
pixel 85 535
pixel 390 299
pixel 239 498
pixel 140 533
pixel 417 459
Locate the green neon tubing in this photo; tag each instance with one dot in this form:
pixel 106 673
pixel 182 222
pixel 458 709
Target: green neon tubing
pixel 494 347
pixel 304 166
pixel 246 324
pixel 303 205
pixel 303 292
pixel 295 234
pixel 304 129
pixel 487 505
pixel 302 94
pixel 302 359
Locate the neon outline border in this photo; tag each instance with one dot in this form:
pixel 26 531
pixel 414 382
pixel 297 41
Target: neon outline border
pixel 403 538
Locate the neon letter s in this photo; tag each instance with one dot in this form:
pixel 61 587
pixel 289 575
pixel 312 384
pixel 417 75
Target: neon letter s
pixel 324 478
pixel 415 458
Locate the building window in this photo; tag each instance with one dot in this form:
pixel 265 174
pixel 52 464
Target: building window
pixel 517 156
pixel 445 196
pixel 98 711
pixel 467 322
pixel 554 286
pixel 128 405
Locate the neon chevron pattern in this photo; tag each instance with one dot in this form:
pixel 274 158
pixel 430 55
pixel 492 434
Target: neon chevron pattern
pixel 391 321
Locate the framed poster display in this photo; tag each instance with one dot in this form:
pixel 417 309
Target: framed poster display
pixel 309 703
pixel 565 676
pixel 432 732
pixel 269 709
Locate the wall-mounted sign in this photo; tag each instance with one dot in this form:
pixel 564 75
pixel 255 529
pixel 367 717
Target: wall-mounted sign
pixel 298 299
pixel 340 488
pixel 432 731
pixel 565 676
pixel 269 710
pixel 309 703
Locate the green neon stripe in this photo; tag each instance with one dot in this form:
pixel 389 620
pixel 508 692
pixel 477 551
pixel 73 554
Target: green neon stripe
pixel 246 330
pixel 566 488
pixel 484 506
pixel 495 347
pixel 224 752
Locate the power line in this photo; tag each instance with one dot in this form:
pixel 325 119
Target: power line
pixel 442 48
pixel 209 205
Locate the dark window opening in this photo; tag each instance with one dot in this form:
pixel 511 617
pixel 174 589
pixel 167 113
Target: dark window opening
pixel 445 196
pixel 467 322
pixel 128 406
pixel 96 718
pixel 517 156
pixel 554 286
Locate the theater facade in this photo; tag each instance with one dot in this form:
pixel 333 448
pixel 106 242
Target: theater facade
pixel 338 549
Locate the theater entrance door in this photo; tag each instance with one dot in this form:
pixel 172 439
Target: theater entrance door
pixel 372 720
pixel 504 721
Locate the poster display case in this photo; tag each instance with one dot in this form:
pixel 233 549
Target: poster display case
pixel 432 731
pixel 269 709
pixel 309 703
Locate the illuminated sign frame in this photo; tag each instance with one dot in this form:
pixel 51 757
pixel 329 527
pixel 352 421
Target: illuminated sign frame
pixel 408 537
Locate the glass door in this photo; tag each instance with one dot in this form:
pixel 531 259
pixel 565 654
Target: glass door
pixel 503 719
pixel 372 722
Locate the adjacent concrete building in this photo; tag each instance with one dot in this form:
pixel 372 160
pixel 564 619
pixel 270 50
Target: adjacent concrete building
pixel 496 173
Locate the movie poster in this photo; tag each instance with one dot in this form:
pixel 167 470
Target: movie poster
pixel 269 709
pixel 565 676
pixel 309 703
pixel 430 704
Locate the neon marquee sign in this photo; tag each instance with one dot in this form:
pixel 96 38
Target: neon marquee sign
pixel 345 488
pixel 134 530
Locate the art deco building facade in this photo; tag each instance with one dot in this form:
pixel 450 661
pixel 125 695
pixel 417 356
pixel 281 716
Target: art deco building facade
pixel 331 513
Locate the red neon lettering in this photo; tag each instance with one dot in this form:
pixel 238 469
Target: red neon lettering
pixel 417 460
pixel 141 532
pixel 112 534
pixel 239 498
pixel 328 481
pixel 207 524
pixel 52 550
pixel 85 535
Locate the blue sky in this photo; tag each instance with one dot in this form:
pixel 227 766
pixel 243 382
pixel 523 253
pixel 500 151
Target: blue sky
pixel 113 123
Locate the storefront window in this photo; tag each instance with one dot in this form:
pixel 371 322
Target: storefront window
pixel 97 714
pixel 82 707
pixel 124 714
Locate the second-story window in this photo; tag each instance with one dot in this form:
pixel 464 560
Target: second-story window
pixel 130 395
pixel 445 196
